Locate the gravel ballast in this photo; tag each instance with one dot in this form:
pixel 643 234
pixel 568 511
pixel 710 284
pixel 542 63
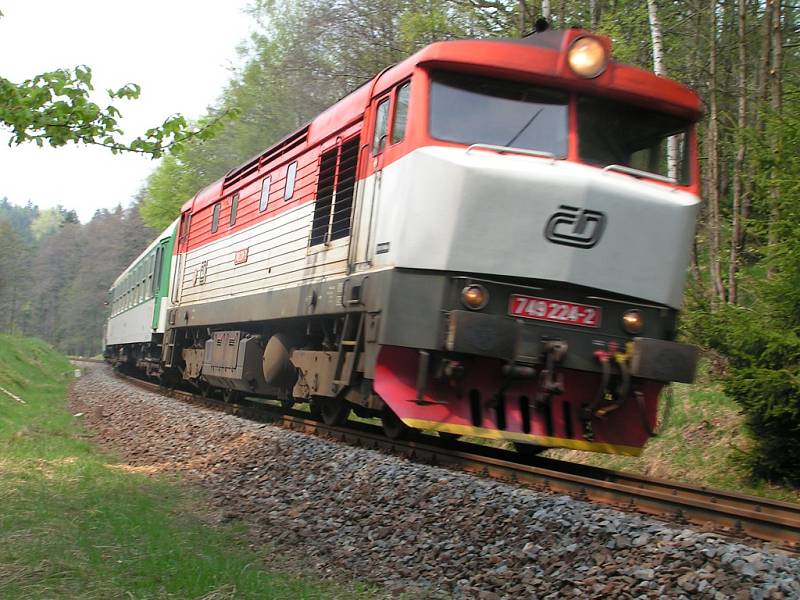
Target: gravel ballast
pixel 423 531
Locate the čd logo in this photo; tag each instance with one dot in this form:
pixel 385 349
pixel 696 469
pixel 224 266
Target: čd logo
pixel 577 227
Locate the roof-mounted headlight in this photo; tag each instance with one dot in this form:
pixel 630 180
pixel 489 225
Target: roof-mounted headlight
pixel 587 57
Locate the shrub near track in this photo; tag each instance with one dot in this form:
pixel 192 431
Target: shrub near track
pixel 73 524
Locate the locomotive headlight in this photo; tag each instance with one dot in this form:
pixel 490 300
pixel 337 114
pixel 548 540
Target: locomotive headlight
pixel 633 321
pixel 474 296
pixel 587 57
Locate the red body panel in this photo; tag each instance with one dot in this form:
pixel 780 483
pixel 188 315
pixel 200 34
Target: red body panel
pixel 448 407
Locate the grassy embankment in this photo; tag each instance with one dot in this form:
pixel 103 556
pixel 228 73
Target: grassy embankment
pixel 699 444
pixel 75 525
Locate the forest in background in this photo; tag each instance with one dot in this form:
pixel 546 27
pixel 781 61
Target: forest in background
pixel 55 272
pixel 743 292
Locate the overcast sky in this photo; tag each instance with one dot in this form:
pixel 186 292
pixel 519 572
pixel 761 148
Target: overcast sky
pixel 180 51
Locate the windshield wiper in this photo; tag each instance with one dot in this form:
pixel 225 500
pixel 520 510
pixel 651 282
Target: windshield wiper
pixel 640 174
pixel 524 127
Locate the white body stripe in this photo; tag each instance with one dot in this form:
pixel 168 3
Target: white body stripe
pixel 277 257
pixel 480 212
pixel 133 325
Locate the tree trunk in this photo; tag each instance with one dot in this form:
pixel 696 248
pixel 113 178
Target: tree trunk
pixel 712 147
pixel 762 74
pixel 660 69
pixel 655 34
pixel 761 97
pixel 738 175
pixel 776 80
pixel 775 85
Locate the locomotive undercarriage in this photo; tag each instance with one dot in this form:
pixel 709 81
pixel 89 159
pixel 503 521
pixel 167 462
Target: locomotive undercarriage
pixel 402 345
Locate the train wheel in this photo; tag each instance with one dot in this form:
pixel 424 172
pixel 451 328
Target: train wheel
pixel 335 411
pixel 315 408
pixel 167 379
pixel 231 396
pixel 528 450
pixel 206 391
pixel 393 427
pixel 287 402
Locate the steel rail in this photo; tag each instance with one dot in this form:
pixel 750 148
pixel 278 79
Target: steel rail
pixel 729 513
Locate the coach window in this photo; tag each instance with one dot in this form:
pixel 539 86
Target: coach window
pixel 148 288
pixel 291 173
pixel 381 124
pixel 262 205
pixel 234 208
pixel 401 113
pixel 215 218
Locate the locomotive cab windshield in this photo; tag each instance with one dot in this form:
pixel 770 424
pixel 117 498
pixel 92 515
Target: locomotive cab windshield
pixel 613 133
pixel 471 109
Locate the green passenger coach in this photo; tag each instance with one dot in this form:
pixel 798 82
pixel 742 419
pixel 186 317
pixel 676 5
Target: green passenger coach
pixel 137 302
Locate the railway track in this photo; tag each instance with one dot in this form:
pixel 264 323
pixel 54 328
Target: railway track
pixel 727 513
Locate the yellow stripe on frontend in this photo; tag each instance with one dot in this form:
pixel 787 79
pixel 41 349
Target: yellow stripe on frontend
pixel 538 440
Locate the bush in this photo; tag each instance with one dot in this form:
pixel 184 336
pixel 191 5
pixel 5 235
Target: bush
pixel 770 401
pixel 762 352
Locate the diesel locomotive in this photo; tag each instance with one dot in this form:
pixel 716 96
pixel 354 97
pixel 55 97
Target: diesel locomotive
pixel 489 238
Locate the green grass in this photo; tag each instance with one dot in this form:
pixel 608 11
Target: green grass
pixel 76 524
pixel 698 443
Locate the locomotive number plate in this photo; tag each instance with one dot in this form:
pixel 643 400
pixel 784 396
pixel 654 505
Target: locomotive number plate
pixel 556 311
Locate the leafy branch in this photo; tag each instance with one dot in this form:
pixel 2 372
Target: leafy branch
pixel 54 107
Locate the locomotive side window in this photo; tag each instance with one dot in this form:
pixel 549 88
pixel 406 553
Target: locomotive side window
pixel 291 174
pixel 184 232
pixel 381 125
pixel 611 133
pixel 234 208
pixel 471 109
pixel 262 203
pixel 215 218
pixel 401 113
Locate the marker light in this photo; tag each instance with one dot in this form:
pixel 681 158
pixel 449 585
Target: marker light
pixel 633 321
pixel 587 57
pixel 474 296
